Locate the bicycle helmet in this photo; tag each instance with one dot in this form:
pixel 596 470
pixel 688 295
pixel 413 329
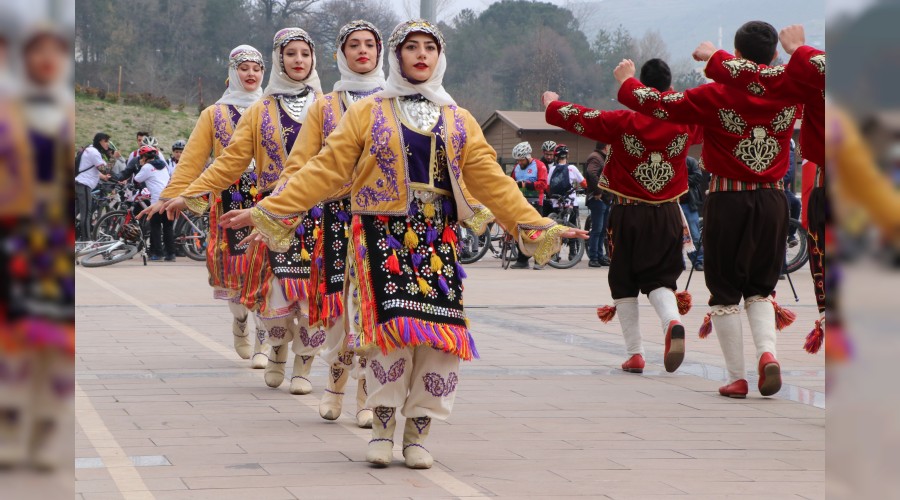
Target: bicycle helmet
pixel 521 151
pixel 131 232
pixel 149 140
pixel 548 146
pixel 180 144
pixel 147 152
pixel 561 151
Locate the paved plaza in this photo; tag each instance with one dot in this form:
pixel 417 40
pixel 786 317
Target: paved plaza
pixel 165 409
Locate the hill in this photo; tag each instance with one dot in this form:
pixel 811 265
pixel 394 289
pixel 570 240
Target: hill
pixel 121 122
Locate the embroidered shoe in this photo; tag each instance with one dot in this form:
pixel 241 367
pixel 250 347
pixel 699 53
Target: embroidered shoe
pixel 769 375
pixel 635 364
pixel 737 389
pixel 674 353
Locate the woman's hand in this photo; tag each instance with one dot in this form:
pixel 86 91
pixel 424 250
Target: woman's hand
pixel 236 219
pixel 254 239
pixel 153 209
pixel 174 207
pixel 574 232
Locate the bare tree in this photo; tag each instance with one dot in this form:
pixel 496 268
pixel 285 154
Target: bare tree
pixel 651 46
pixel 442 8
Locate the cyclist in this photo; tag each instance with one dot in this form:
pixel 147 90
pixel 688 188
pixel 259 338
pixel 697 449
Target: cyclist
pixel 177 148
pixel 531 176
pixel 563 178
pixel 548 149
pixel 155 175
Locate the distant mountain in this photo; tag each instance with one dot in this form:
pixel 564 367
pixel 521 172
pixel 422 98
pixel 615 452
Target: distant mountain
pixel 685 23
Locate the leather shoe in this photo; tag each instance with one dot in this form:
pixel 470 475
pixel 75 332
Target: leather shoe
pixel 674 353
pixel 769 375
pixel 737 389
pixel 519 265
pixel 604 261
pixel 635 364
pixel 595 263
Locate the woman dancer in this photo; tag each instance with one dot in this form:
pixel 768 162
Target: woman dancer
pixel 276 284
pixel 225 260
pixel 410 153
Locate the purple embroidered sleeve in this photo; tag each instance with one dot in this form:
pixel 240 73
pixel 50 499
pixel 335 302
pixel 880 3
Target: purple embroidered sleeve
pixel 220 127
pixel 458 139
pixel 386 188
pixel 269 174
pixel 328 121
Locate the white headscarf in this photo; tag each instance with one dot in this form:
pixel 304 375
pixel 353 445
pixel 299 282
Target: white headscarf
pixel 397 85
pixel 279 82
pixel 351 80
pixel 235 94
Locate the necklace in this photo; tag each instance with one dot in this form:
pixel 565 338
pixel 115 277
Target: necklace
pixel 420 111
pixel 293 104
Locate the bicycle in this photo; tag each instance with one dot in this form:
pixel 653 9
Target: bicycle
pixel 471 247
pixel 509 250
pixel 572 248
pixel 112 251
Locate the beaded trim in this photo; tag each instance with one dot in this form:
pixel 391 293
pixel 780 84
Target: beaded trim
pixel 415 26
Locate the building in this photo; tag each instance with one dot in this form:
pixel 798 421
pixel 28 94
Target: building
pixel 505 129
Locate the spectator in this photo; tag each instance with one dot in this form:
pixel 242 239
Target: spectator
pixel 140 142
pixel 531 177
pixel 598 203
pixel 155 175
pixel 691 204
pixel 562 178
pixel 177 149
pixel 87 177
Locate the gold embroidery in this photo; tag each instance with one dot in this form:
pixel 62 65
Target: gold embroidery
pixel 478 222
pixel 278 234
pixel 603 180
pixel 736 65
pixel 545 246
pixel 819 62
pixel 759 151
pixel 673 97
pixel 594 113
pixel 784 119
pixel 198 205
pixel 654 174
pixel 643 94
pixel 677 145
pixel 731 121
pixel 772 71
pixel 633 145
pixel 578 128
pixel 756 89
pixel 568 111
pixel 661 114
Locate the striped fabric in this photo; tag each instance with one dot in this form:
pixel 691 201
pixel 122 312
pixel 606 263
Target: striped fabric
pixel 718 183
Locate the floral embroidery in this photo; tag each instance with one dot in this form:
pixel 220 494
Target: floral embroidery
pixel 278 332
pixel 633 145
pixel 346 358
pixel 819 62
pixel 437 386
pixel 731 121
pixel 271 173
pixel 328 121
pixel 336 373
pixel 315 340
pixel 759 151
pixel 458 140
pixel 579 128
pixel 220 125
pixel 772 71
pixel 644 94
pixel 569 111
pixel 386 188
pixel 655 173
pixel 392 375
pixel 736 65
pixel 594 113
pixel 756 89
pixel 661 114
pixel 673 97
pixel 784 119
pixel 677 145
pixel 421 423
pixel 384 415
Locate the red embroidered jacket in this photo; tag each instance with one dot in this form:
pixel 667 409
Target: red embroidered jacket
pixel 745 138
pixel 802 80
pixel 647 158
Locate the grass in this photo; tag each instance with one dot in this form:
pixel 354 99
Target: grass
pixel 122 121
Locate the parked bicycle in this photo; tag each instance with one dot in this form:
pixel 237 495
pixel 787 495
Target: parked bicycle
pixel 572 249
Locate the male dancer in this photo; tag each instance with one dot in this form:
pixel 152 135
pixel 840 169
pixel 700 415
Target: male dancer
pixel 646 173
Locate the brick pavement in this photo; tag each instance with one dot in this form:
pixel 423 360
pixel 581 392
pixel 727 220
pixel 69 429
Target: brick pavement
pixel 166 409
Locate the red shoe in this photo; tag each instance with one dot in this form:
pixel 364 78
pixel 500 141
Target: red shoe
pixel 674 354
pixel 769 375
pixel 737 389
pixel 635 364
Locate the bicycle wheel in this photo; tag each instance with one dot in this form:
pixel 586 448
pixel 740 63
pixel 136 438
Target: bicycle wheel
pixel 109 227
pixel 471 247
pixel 194 240
pixel 109 257
pixel 570 253
pixel 506 251
pixel 797 256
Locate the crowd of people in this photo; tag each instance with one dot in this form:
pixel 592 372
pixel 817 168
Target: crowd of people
pixel 333 215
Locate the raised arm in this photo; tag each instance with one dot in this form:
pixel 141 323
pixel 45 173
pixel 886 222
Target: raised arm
pixel 194 157
pixel 594 124
pixel 678 107
pixel 276 216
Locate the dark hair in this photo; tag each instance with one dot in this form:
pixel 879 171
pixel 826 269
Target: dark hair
pixel 600 146
pixel 141 133
pixel 100 136
pixel 756 41
pixel 656 73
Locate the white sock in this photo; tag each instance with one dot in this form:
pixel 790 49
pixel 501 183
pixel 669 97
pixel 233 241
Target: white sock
pixel 727 323
pixel 666 306
pixel 627 311
pixel 761 314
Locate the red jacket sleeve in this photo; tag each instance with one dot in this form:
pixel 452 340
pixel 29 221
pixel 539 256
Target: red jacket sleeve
pixel 791 81
pixel 807 66
pixel 603 126
pixel 690 107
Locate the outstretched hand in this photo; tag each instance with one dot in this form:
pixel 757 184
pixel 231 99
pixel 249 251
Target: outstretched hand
pixel 236 219
pixel 254 239
pixel 704 51
pixel 155 208
pixel 792 37
pixel 575 233
pixel 624 71
pixel 548 97
pixel 174 207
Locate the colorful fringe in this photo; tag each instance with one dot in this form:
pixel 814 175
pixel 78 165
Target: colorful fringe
pixel 295 290
pixel 684 301
pixel 706 326
pixel 606 313
pixel 411 332
pixel 815 338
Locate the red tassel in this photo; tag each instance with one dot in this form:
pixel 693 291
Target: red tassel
pixel 685 301
pixel 815 338
pixel 706 327
pixel 393 265
pixel 382 218
pixel 606 313
pixel 449 235
pixel 783 317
